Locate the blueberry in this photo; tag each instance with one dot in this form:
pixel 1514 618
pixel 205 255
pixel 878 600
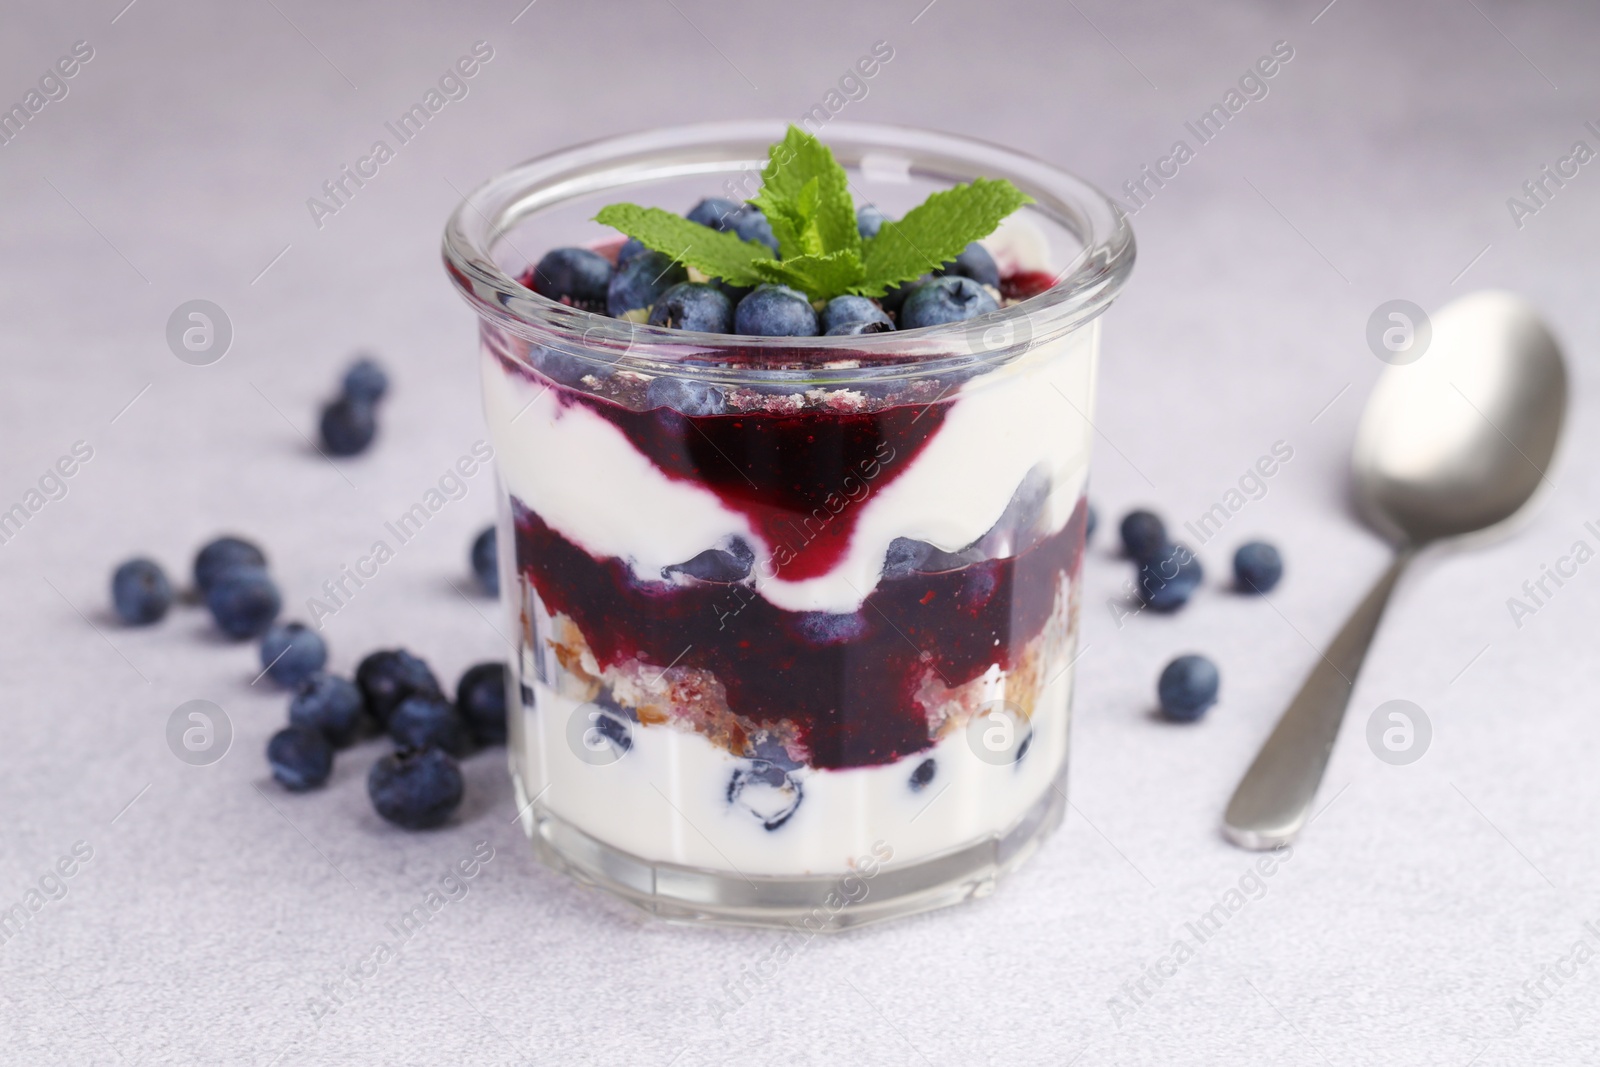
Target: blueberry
pixel 923 775
pixel 387 677
pixel 1188 686
pixel 301 759
pixel 1143 534
pixel 906 557
pixel 1168 579
pixel 1257 567
pixel 348 426
pixel 574 276
pixel 485 561
pixel 976 263
pixel 220 555
pixel 140 592
pixel 895 298
pixel 775 311
pixel 854 329
pixel 291 653
pixel 481 702
pixel 843 310
pixel 630 248
pixel 566 369
pixel 827 628
pixel 685 395
pixel 869 220
pixel 766 791
pixel 422 720
pixel 1091 520
pixel 948 299
pixel 714 211
pixel 416 788
pixel 612 725
pixel 641 280
pixel 365 381
pixel 243 601
pixel 330 705
pixel 731 564
pixel 745 220
pixel 696 306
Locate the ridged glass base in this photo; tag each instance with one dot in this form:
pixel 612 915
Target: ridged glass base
pixel 819 903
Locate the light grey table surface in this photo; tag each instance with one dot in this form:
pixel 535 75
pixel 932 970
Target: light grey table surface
pixel 1421 906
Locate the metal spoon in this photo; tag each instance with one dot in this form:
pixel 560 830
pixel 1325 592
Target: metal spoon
pixel 1452 444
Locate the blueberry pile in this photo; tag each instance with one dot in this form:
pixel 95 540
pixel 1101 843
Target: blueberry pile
pixel 419 784
pixel 350 420
pixel 647 286
pixel 1167 575
pixel 394 692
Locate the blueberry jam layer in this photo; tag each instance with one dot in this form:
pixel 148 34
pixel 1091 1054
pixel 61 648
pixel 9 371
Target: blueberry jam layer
pixel 797 476
pixel 846 686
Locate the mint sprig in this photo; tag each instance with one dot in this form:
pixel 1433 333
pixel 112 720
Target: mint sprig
pixel 805 196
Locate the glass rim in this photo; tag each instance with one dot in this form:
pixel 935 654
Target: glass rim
pixel 1083 289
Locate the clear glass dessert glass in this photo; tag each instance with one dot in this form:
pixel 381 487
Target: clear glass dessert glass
pixel 806 658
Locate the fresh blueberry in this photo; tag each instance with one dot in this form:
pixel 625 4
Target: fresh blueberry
pixel 365 381
pixel 895 298
pixel 612 724
pixel 243 601
pixel 481 702
pixel 869 220
pixel 1091 520
pixel 1257 567
pixel 1168 579
pixel 1143 534
pixel 140 592
pixel 301 759
pixel 843 310
pixel 766 791
pixel 731 564
pixel 223 554
pixel 566 369
pixel 416 788
pixel 685 395
pixel 697 306
pixel 291 652
pixel 630 248
pixel 348 426
pixel 640 281
pixel 976 263
pixel 429 719
pixel 923 775
pixel 775 311
pixel 714 211
pixel 485 561
pixel 948 299
pixel 573 276
pixel 745 220
pixel 906 557
pixel 828 628
pixel 1188 686
pixel 389 676
pixel 854 329
pixel 331 705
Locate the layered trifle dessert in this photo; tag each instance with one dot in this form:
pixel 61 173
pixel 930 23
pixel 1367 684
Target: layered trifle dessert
pixel 793 571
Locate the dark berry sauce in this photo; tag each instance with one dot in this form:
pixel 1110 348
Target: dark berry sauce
pixel 846 682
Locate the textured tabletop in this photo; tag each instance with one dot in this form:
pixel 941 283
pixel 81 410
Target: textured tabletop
pixel 1433 913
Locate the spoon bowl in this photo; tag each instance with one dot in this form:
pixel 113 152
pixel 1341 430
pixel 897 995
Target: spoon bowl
pixel 1452 444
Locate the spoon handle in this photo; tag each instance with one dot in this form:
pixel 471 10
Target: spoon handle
pixel 1274 797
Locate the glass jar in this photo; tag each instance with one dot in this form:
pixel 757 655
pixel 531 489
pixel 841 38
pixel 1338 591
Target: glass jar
pixel 796 617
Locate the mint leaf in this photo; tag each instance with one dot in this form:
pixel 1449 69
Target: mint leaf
pixel 716 254
pixel 936 231
pixel 819 277
pixel 805 194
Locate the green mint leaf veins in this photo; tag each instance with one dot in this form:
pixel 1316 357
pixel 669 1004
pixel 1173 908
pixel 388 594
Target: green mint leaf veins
pixel 714 253
pixel 805 195
pixel 936 231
